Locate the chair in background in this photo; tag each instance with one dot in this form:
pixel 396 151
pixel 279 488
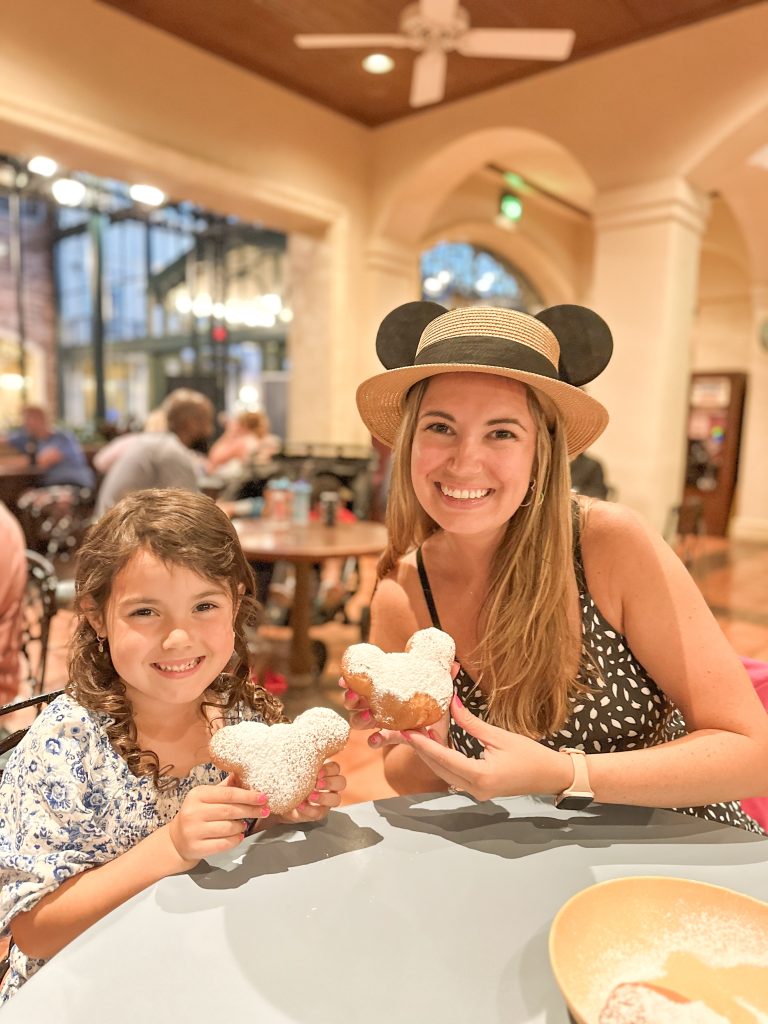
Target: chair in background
pixel 685 529
pixel 55 519
pixel 40 606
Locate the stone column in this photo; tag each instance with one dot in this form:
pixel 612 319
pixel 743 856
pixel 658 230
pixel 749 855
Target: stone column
pixel 647 245
pixel 392 277
pixel 751 519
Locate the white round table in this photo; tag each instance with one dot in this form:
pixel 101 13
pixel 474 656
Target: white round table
pixel 412 909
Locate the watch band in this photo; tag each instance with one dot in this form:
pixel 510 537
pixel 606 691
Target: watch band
pixel 579 794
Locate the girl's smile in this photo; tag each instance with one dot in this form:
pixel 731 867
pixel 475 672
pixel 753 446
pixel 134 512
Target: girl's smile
pixel 179 668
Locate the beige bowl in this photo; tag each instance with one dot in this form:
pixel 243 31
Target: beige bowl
pixel 700 941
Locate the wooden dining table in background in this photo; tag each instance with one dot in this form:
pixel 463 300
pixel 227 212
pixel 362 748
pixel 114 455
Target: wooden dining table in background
pixel 265 540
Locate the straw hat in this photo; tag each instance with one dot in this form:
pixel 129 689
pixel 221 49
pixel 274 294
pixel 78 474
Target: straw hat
pixel 554 352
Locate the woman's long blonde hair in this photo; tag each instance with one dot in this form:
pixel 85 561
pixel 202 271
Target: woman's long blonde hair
pixel 528 654
pixel 179 528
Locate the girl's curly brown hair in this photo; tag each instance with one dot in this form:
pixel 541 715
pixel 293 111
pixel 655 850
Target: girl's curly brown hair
pixel 180 528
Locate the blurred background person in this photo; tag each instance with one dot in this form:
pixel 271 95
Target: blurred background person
pixel 57 453
pixel 246 441
pixel 108 455
pixel 588 477
pixel 166 458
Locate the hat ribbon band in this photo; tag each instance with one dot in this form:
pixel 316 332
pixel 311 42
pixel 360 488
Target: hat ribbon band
pixel 481 350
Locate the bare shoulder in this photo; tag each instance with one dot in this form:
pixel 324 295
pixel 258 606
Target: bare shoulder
pixel 626 561
pixel 611 530
pixel 395 615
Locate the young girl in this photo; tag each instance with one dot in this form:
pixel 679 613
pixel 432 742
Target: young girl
pixel 591 667
pixel 111 789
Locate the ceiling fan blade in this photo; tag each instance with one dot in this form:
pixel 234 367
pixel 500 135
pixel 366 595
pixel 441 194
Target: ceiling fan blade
pixel 322 42
pixel 519 43
pixel 428 82
pixel 438 10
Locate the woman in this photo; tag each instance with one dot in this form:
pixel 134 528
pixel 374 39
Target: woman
pixel 590 666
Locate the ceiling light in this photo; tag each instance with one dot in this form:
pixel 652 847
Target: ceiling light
pixel 271 303
pixel 11 381
pixel 42 165
pixel 759 158
pixel 68 192
pixel 510 206
pixel 146 194
pixel 378 63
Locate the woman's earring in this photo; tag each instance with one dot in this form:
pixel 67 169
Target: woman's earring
pixel 101 641
pixel 529 494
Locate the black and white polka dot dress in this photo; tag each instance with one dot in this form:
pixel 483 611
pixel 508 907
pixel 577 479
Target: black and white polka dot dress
pixel 624 710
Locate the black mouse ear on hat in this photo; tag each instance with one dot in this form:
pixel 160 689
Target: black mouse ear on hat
pixel 398 336
pixel 585 341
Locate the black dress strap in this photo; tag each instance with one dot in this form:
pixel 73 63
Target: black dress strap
pixel 427 590
pixel 578 563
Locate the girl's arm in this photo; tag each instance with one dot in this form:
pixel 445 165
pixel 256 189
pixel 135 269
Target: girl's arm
pixel 210 821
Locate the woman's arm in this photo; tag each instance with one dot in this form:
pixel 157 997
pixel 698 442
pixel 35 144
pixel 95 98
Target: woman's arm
pixel 645 591
pixel 210 821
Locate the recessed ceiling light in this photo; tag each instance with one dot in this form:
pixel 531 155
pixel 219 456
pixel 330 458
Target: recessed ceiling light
pixel 378 63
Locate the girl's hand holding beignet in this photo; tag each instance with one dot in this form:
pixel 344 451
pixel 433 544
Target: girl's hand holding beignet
pixel 326 794
pixel 212 819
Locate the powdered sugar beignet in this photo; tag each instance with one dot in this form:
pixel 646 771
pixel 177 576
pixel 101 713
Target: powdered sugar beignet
pixel 408 690
pixel 645 1003
pixel 280 760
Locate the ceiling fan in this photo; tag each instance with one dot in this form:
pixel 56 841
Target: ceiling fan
pixel 435 28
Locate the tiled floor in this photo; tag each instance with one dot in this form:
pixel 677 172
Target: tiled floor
pixel 733 577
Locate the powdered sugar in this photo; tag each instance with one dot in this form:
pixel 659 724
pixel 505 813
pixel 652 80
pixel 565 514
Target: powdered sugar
pixel 694 951
pixel 281 760
pixel 425 667
pixel 636 1004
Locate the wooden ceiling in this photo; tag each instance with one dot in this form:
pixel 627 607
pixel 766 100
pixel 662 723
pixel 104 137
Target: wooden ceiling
pixel 258 35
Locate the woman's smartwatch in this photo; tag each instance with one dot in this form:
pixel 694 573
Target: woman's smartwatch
pixel 579 794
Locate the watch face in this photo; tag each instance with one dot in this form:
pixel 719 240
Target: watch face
pixel 574 802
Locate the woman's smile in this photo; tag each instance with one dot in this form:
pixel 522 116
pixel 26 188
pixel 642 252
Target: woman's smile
pixel 459 496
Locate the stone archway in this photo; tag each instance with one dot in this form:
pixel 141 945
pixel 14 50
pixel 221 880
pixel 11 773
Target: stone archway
pixel 410 210
pixel 406 207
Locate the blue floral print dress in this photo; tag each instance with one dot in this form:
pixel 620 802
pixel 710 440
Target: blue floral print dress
pixel 69 802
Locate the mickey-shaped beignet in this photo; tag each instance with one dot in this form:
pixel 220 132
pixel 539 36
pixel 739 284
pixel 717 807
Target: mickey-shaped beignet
pixel 404 691
pixel 280 760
